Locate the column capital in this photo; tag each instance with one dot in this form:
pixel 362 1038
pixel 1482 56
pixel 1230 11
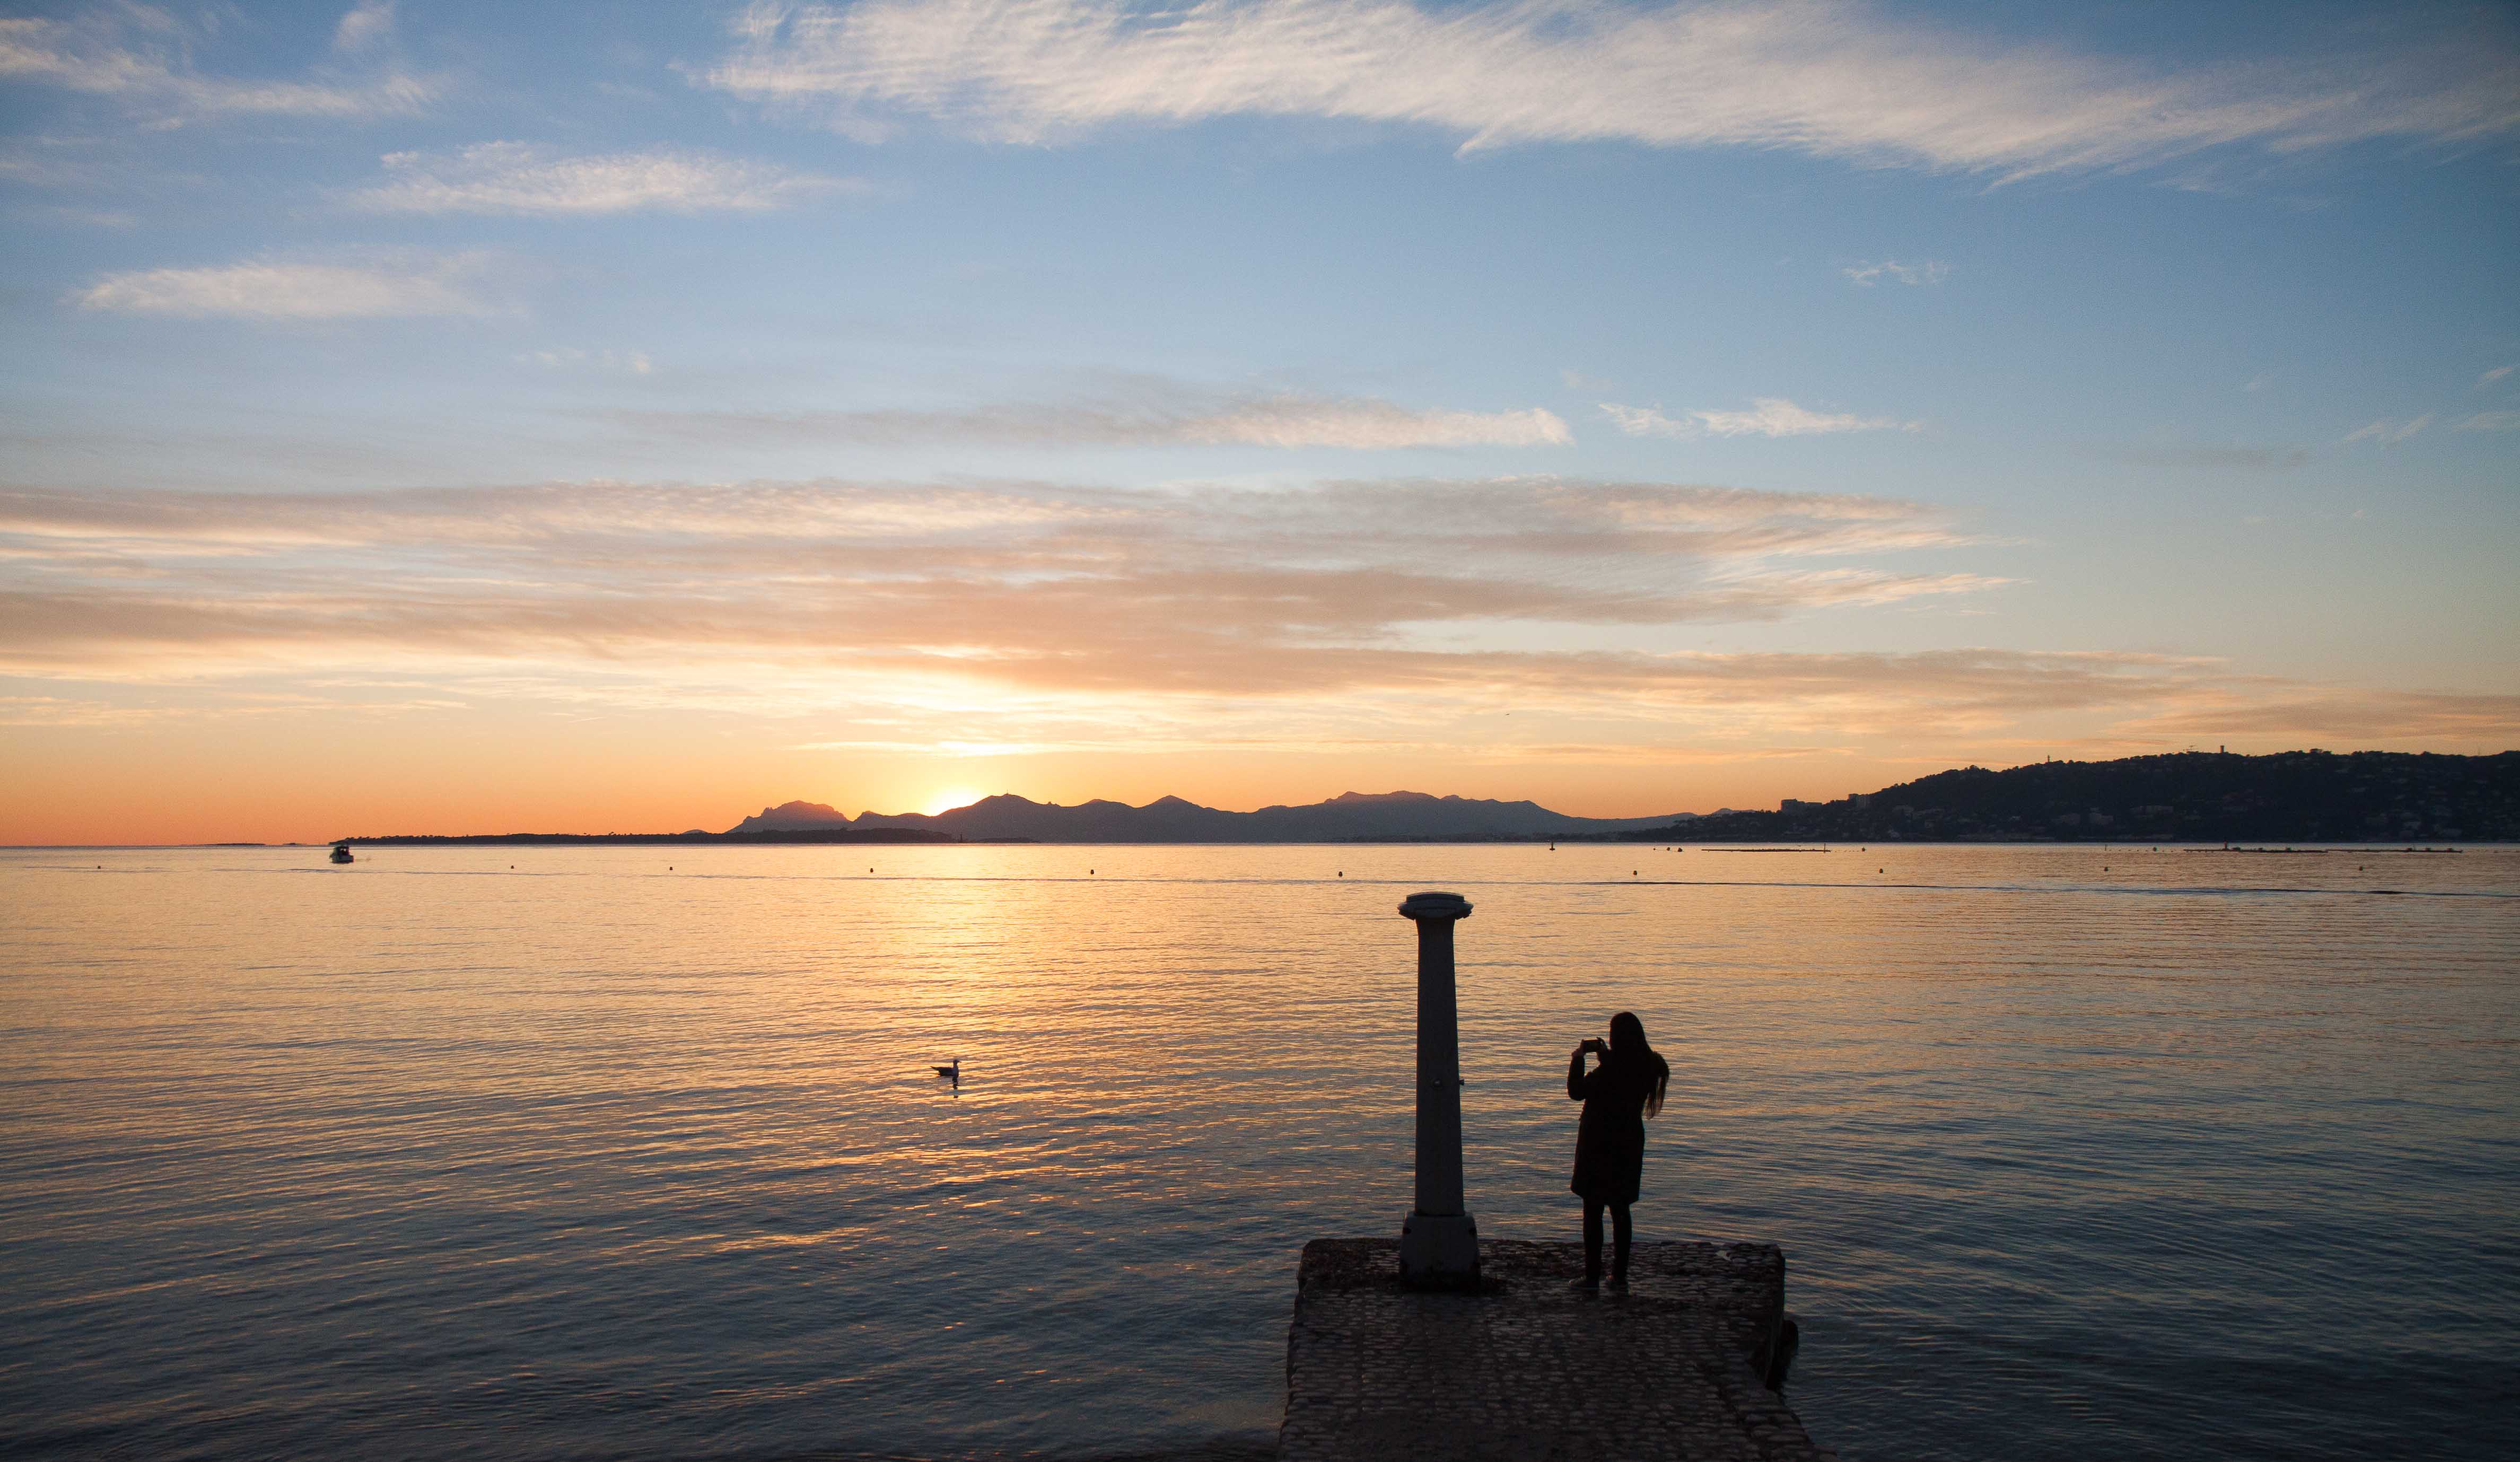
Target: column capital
pixel 1435 906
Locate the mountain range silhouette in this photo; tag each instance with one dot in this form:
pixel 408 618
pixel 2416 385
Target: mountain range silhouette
pixel 1175 819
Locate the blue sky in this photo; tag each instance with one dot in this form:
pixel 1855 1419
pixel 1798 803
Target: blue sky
pixel 1247 401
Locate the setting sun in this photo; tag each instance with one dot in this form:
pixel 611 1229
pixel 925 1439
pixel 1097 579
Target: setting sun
pixel 950 798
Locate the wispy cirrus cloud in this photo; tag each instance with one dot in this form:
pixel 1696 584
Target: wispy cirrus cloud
pixel 570 357
pixel 516 177
pixel 1648 420
pixel 2389 433
pixel 274 290
pixel 1534 516
pixel 2215 458
pixel 145 59
pixel 44 163
pixel 1152 414
pixel 2493 376
pixel 1838 80
pixel 1768 416
pixel 1930 272
pixel 2491 421
pixel 366 25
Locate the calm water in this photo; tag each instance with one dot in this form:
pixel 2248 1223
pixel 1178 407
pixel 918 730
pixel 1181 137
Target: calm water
pixel 2073 1152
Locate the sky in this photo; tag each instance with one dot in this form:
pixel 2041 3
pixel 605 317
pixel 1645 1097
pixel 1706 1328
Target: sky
pixel 476 417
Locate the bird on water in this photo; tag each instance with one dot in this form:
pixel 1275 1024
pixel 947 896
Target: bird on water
pixel 955 1072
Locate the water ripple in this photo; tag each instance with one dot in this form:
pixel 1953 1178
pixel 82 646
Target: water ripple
pixel 2074 1150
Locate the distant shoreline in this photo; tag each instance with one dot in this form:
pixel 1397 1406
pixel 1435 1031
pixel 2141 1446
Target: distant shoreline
pixel 915 838
pixel 922 837
pixel 918 837
pixel 670 839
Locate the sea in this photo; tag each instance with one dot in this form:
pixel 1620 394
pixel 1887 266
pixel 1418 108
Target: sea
pixel 638 1152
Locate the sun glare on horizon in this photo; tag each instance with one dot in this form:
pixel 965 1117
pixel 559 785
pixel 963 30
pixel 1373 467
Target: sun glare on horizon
pixel 947 801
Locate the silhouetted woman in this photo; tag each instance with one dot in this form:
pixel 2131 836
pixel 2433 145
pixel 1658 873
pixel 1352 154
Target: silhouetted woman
pixel 1618 1095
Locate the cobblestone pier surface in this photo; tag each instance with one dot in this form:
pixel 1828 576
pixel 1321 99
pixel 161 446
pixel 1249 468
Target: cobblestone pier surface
pixel 1529 1369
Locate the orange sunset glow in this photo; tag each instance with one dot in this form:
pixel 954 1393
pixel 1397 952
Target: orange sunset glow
pixel 1601 445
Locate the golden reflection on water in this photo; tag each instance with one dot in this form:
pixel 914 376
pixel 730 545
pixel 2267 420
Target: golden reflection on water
pixel 639 1150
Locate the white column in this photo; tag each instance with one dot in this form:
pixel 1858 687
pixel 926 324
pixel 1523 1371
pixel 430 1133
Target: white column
pixel 1439 1243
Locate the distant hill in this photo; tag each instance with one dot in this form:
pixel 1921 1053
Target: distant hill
pixel 2291 796
pixel 1347 817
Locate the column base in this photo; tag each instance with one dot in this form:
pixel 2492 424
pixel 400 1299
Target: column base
pixel 1439 1251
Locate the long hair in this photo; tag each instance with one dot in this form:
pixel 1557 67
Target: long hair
pixel 1628 1045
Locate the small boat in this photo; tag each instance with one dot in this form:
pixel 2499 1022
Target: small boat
pixel 342 853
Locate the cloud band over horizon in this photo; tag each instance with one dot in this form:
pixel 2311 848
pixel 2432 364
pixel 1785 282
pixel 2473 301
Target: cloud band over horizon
pixel 1209 614
pixel 1152 414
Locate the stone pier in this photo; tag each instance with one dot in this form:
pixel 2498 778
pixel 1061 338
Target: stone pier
pixel 1527 1369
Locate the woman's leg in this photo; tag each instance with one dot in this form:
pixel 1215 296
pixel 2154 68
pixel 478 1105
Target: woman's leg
pixel 1624 1232
pixel 1592 1242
